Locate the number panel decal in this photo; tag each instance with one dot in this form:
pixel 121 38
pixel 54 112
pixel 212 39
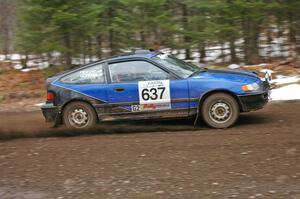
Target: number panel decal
pixel 151 92
pixel 154 93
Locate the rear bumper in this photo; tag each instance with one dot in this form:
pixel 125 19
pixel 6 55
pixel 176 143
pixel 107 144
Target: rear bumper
pixel 253 102
pixel 51 112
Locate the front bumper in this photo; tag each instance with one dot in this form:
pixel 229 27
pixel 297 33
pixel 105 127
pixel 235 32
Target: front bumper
pixel 253 102
pixel 51 112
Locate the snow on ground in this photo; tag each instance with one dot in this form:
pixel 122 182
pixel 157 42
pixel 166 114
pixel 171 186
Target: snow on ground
pixel 290 92
pixel 2 57
pixel 267 71
pixel 18 66
pixel 25 70
pixel 43 65
pixel 233 66
pixel 285 80
pixel 15 57
pixel 288 87
pixel 256 65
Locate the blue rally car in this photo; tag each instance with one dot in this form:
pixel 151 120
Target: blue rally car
pixel 148 84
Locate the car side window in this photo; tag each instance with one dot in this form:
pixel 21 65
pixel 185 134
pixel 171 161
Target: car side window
pixel 90 75
pixel 131 71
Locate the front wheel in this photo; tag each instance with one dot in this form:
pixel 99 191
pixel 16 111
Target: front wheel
pixel 220 110
pixel 79 115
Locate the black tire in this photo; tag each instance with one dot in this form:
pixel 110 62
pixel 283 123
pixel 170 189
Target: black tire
pixel 220 110
pixel 79 115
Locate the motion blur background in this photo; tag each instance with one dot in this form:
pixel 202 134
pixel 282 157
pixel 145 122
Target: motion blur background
pixel 39 38
pixel 257 158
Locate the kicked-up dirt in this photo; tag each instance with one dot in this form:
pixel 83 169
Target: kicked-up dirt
pixel 257 158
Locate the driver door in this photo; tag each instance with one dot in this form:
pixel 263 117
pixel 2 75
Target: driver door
pixel 140 89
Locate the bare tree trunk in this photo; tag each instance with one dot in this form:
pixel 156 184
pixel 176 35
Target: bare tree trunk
pixel 99 46
pixel 7 25
pixel 68 53
pixel 24 61
pixel 186 38
pixel 222 53
pixel 111 43
pixel 269 43
pixel 6 42
pixel 111 34
pixel 142 32
pixel 90 51
pixel 143 39
pixel 251 35
pixel 233 57
pixel 202 52
pixel 293 37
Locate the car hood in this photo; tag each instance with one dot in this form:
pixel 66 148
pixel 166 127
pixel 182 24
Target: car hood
pixel 227 74
pixel 232 72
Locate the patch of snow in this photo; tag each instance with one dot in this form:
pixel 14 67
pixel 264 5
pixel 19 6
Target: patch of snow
pixel 15 62
pixel 262 64
pixel 105 50
pixel 2 57
pixel 196 54
pixel 15 57
pixel 55 54
pixel 25 70
pixel 278 40
pixel 285 80
pixel 234 66
pixel 281 76
pixel 31 63
pixel 257 65
pixel 166 50
pixel 32 56
pixel 18 66
pixel 43 65
pixel 290 92
pixel 181 54
pixel 95 58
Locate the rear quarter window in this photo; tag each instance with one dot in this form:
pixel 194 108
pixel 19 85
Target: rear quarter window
pixel 91 75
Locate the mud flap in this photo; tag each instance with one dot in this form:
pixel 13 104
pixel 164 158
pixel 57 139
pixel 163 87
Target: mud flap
pixel 57 120
pixel 197 117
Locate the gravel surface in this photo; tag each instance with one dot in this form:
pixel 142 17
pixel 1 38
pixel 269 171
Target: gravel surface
pixel 257 158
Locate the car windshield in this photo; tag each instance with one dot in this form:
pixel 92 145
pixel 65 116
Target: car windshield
pixel 177 66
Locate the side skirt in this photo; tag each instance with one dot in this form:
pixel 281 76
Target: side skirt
pixel 175 113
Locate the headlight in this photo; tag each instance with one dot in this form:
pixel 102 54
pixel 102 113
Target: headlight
pixel 250 87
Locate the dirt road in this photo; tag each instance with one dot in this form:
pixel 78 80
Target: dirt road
pixel 258 158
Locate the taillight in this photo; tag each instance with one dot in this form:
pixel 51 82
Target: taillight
pixel 50 96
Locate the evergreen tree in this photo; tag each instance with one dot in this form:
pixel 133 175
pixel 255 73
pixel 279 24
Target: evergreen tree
pixel 57 26
pixel 105 27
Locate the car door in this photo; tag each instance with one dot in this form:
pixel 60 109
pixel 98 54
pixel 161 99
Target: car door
pixel 139 88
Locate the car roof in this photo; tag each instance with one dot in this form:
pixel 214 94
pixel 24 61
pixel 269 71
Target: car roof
pixel 148 54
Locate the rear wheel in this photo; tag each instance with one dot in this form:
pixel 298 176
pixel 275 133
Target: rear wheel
pixel 220 110
pixel 79 115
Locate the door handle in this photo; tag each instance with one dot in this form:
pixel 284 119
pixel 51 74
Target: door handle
pixel 119 89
